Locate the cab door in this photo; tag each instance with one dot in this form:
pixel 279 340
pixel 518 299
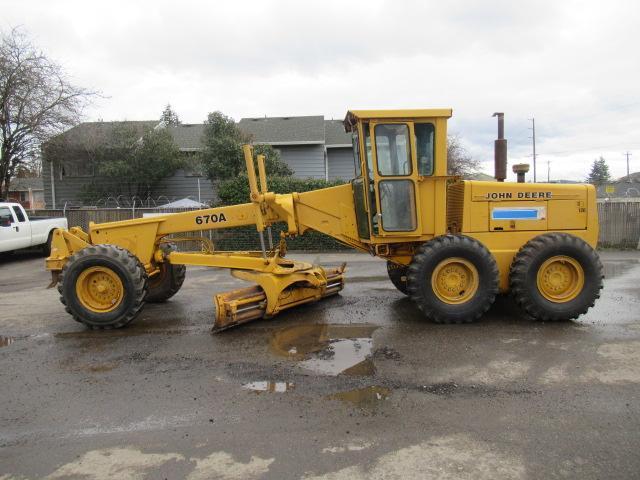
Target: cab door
pixel 365 198
pixel 11 238
pixel 394 179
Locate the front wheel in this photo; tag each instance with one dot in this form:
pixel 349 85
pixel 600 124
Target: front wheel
pixel 453 279
pixel 103 286
pixel 398 276
pixel 556 277
pixel 166 283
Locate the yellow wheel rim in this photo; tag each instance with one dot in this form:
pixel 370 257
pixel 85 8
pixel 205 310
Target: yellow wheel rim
pixel 560 279
pixel 455 280
pixel 99 289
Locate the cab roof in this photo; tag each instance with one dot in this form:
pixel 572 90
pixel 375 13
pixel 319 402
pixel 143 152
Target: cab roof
pixel 354 115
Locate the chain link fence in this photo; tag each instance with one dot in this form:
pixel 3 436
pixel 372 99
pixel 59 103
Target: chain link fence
pixel 619 227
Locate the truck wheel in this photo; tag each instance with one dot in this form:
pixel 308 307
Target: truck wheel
pixel 398 275
pixel 46 247
pixel 453 279
pixel 556 277
pixel 103 286
pixel 166 283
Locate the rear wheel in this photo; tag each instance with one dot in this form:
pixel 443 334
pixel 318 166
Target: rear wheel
pixel 103 286
pixel 556 277
pixel 166 283
pixel 398 275
pixel 453 279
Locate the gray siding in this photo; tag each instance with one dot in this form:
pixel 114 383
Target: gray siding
pixel 306 161
pixel 175 187
pixel 67 189
pixel 340 163
pixel 179 186
pixel 46 183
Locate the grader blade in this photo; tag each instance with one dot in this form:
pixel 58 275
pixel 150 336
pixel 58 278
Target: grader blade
pixel 273 294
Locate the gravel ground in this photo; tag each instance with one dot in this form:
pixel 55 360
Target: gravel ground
pixel 357 386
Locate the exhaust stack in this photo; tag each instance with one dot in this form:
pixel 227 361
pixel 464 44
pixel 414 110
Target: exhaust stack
pixel 500 150
pixel 520 169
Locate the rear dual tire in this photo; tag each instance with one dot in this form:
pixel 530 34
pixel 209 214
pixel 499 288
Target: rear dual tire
pixel 453 279
pixel 556 277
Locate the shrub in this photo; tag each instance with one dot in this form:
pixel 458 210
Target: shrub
pixel 236 190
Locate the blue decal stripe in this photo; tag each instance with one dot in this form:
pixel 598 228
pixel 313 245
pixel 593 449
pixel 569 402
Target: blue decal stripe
pixel 520 214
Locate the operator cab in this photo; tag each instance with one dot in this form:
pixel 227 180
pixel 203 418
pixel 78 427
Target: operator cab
pixel 395 152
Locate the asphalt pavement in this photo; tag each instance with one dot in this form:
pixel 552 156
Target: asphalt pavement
pixel 357 386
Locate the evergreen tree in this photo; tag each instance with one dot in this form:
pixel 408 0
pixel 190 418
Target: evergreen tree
pixel 169 117
pixel 599 172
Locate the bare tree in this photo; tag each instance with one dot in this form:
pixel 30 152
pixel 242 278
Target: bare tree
pixel 37 101
pixel 459 161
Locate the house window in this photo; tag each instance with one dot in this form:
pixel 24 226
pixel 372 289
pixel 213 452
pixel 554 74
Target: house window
pixel 76 169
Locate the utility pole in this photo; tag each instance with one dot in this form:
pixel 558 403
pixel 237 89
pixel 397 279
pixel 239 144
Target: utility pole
pixel 628 175
pixel 533 128
pixel 548 170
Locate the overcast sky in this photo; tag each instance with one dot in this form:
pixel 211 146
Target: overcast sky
pixel 573 65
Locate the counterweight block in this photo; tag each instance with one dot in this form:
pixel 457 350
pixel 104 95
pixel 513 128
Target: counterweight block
pixel 274 293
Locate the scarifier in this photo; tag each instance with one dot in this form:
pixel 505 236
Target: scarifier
pixel 450 244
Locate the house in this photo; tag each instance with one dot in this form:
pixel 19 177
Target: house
pixel 624 187
pixel 312 146
pixel 28 192
pixel 64 181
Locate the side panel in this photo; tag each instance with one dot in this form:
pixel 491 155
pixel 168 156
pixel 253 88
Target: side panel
pixel 330 211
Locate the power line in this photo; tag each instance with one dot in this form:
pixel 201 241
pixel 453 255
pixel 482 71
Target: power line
pixel 628 155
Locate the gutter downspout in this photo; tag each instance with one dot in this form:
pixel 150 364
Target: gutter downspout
pixel 326 164
pixel 53 186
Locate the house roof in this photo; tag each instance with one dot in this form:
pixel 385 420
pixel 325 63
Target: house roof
pixel 284 130
pixel 24 184
pixel 187 136
pixel 334 134
pixel 633 177
pixel 99 132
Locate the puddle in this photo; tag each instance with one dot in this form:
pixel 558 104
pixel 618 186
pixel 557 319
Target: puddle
pixel 618 268
pixel 6 341
pixel 365 398
pixel 328 349
pixel 269 386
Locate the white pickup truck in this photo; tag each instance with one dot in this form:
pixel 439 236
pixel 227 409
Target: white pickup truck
pixel 18 231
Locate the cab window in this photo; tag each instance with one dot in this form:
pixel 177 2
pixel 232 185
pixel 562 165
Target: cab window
pixel 5 217
pixel 356 154
pixel 392 150
pixel 19 214
pixel 424 138
pixel 367 150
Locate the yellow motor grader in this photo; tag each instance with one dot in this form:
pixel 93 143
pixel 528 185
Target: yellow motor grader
pixel 452 245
